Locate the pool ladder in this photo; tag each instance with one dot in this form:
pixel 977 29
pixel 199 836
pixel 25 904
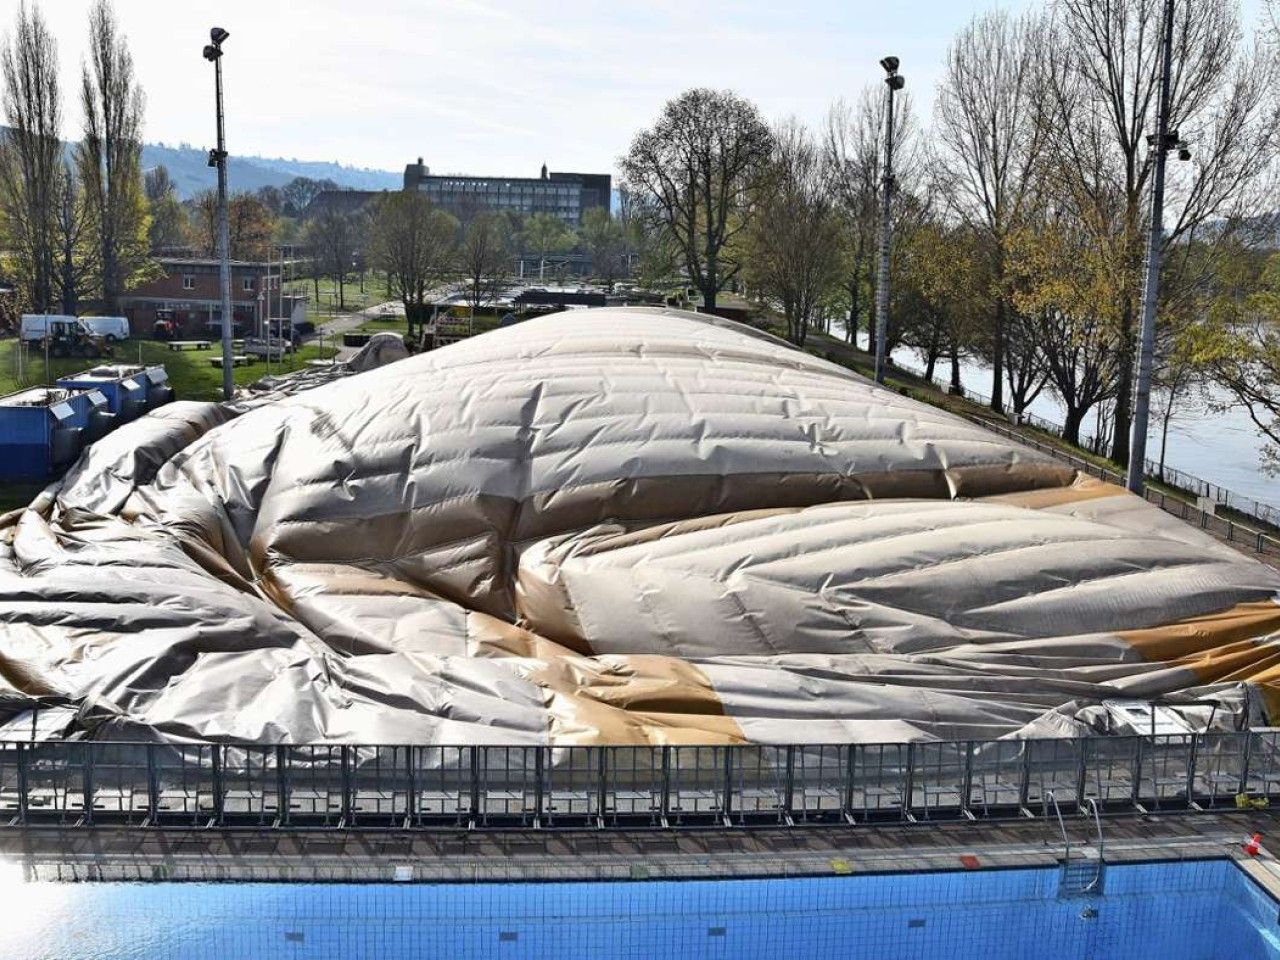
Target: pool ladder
pixel 1081 879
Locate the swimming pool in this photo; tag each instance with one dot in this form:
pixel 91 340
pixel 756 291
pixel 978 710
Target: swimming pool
pixel 1196 910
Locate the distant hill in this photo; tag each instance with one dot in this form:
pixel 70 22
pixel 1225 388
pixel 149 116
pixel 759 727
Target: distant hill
pixel 191 173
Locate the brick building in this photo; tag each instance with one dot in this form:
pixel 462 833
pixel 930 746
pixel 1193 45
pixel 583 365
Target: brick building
pixel 188 293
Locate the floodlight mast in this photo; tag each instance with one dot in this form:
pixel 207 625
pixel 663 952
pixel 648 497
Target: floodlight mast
pixel 1162 142
pixel 894 82
pixel 218 158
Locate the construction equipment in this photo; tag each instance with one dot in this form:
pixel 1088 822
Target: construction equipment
pixel 73 338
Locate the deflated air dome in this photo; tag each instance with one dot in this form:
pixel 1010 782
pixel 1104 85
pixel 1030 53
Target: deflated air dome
pixel 607 526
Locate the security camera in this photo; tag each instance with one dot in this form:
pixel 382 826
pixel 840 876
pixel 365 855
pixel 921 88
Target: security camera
pixel 211 52
pixel 890 64
pixel 217 34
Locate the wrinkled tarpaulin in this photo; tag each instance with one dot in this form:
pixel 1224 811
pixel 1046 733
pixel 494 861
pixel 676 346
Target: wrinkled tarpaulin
pixel 610 526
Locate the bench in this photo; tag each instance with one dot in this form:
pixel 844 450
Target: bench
pixel 237 360
pixel 176 345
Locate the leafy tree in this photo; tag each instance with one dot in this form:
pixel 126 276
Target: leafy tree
pixel 546 234
pixel 109 156
pixel 168 223
pixel 414 242
pixel 697 167
pixel 604 239
pixel 250 226
pixel 31 169
pixel 793 237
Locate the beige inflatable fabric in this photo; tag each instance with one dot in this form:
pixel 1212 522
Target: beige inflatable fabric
pixel 619 526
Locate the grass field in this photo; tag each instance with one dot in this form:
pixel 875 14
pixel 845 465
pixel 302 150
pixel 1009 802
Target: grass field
pixel 375 292
pixel 191 374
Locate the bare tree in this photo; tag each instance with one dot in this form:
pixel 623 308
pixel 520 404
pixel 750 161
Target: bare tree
pixel 697 165
pixel 110 154
pixel 793 237
pixel 854 147
pixel 991 145
pixel 484 257
pixel 1102 72
pixel 31 154
pixel 413 242
pixel 604 239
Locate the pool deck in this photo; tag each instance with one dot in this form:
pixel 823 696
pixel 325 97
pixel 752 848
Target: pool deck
pixel 51 853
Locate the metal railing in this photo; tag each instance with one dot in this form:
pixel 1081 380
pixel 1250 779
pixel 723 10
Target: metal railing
pixel 1264 513
pixel 84 784
pixel 1225 527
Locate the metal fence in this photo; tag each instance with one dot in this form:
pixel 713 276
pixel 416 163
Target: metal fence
pixel 1194 486
pixel 431 787
pixel 1228 529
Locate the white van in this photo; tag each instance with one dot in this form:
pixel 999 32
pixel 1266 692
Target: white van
pixel 34 324
pixel 109 328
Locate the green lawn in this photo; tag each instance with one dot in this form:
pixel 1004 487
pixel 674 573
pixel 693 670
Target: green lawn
pixel 375 292
pixel 191 374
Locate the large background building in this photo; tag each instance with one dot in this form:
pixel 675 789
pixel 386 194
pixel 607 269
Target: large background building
pixel 565 195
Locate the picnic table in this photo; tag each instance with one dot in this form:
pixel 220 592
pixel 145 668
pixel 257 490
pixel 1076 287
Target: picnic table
pixel 177 345
pixel 237 360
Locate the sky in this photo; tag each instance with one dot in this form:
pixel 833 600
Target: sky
pixel 498 86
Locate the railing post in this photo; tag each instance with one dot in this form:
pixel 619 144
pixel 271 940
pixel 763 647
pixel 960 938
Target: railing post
pixel 538 767
pixel 282 786
pixel 602 781
pixel 348 805
pixel 22 783
pixel 1138 756
pixel 1024 776
pixel 87 786
pixel 1191 768
pixel 219 791
pixel 851 753
pixel 789 786
pixel 909 779
pixel 664 802
pixel 411 786
pixel 153 786
pixel 966 796
pixel 1082 772
pixel 1244 762
pixel 475 784
pixel 727 804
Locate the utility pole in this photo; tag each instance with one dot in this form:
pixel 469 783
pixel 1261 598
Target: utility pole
pixel 894 81
pixel 218 158
pixel 1162 141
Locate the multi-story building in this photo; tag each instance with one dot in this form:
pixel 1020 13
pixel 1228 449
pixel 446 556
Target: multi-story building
pixel 188 293
pixel 565 195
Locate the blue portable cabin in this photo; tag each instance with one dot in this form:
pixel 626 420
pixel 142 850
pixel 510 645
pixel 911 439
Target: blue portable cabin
pixel 45 428
pixel 124 385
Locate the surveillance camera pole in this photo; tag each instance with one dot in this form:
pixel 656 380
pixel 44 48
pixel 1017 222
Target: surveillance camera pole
pixel 1163 142
pixel 218 158
pixel 894 82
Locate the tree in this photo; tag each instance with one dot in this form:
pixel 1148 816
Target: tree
pixel 698 166
pixel 413 242
pixel 545 234
pixel 992 145
pixel 110 155
pixel 250 226
pixel 605 240
pixel 1102 77
pixel 77 249
pixel 483 258
pixel 793 239
pixel 854 146
pixel 31 168
pixel 300 191
pixel 168 222
pixel 333 238
pixel 652 253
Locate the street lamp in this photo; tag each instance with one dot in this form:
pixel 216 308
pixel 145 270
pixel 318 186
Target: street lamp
pixel 895 82
pixel 1161 142
pixel 218 158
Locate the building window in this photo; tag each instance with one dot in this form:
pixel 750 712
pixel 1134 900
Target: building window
pixel 188 281
pixel 248 285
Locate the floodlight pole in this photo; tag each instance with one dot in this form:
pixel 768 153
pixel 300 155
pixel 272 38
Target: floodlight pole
pixel 894 82
pixel 218 158
pixel 1163 142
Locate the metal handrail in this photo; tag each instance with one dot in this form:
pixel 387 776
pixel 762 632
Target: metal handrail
pixel 1066 841
pixel 1092 804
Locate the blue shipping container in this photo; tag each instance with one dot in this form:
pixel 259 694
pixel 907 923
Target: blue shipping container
pixel 43 429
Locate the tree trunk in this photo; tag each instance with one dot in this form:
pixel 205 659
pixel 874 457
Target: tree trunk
pixel 957 388
pixel 1071 426
pixel 997 359
pixel 931 355
pixel 1124 388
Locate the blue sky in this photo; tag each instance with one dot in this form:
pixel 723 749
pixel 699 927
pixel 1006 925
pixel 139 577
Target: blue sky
pixel 499 86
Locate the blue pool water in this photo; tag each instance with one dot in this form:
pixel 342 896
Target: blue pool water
pixel 1206 910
